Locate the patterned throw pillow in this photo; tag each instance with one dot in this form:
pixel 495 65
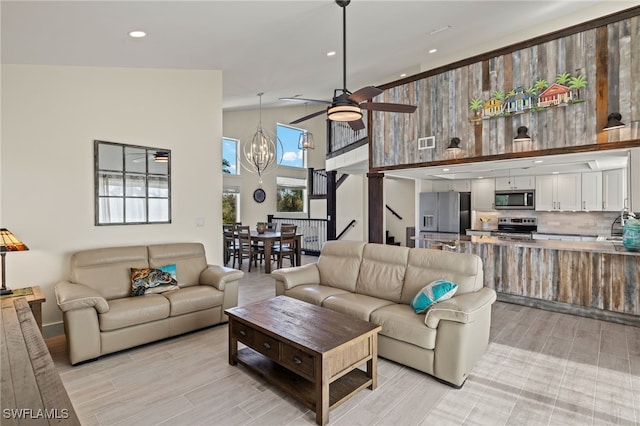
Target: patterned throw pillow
pixel 150 280
pixel 434 292
pixel 170 269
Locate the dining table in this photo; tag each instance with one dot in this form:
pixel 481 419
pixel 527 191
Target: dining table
pixel 270 237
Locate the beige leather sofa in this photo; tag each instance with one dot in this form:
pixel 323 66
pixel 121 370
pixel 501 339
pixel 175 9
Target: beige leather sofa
pixel 377 282
pixel 101 317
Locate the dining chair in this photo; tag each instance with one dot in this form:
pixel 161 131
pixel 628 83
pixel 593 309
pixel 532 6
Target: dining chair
pixel 246 249
pixel 287 244
pixel 230 244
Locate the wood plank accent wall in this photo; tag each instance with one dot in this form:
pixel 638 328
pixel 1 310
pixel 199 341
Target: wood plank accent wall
pixel 595 280
pixel 606 55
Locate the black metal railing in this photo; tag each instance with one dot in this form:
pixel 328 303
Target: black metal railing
pixel 341 135
pixel 346 228
pixel 393 212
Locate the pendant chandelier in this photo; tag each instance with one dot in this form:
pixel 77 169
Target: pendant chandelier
pixel 260 153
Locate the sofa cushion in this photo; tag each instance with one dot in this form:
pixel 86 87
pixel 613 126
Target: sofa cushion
pixel 426 265
pixel 107 270
pixel 356 305
pixel 189 258
pixel 151 280
pixel 339 264
pixel 382 271
pixel 399 322
pixel 130 311
pixel 434 292
pixel 313 293
pixel 192 299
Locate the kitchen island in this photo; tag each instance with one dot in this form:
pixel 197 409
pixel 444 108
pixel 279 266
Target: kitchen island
pixel 599 279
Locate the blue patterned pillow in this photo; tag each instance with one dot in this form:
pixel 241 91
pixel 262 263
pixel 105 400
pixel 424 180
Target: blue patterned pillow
pixel 434 292
pixel 151 280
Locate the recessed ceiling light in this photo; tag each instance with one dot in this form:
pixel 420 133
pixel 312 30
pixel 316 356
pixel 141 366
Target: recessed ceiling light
pixel 445 170
pixel 404 74
pixel 555 173
pixel 332 53
pixel 433 50
pixel 480 177
pixel 137 34
pixel 538 161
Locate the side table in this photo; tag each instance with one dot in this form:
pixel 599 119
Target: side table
pixel 35 298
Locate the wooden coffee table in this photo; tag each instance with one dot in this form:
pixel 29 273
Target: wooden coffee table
pixel 310 352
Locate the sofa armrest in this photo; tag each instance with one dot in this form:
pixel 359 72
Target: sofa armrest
pixel 463 308
pixel 71 296
pixel 291 277
pixel 218 276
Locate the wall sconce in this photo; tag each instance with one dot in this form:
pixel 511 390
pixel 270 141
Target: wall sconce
pixel 454 146
pixel 613 121
pixel 522 135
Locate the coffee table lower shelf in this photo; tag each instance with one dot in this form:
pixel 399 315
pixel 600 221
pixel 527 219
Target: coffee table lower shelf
pixel 298 387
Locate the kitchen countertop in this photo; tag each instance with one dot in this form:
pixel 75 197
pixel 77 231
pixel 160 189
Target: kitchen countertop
pixel 612 247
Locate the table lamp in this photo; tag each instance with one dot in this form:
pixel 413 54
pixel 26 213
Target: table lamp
pixel 8 242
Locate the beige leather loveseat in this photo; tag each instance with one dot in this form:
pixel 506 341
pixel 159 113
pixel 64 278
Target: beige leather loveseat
pixel 377 282
pixel 101 317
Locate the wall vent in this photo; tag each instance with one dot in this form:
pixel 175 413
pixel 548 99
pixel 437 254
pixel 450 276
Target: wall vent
pixel 427 143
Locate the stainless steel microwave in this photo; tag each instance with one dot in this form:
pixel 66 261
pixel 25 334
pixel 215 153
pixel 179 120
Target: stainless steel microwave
pixel 515 200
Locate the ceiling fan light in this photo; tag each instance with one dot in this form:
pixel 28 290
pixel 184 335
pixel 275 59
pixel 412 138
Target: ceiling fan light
pixel 344 113
pixel 161 157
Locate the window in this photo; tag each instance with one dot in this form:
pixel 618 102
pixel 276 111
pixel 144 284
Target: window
pixel 291 194
pixel 230 156
pixel 290 156
pixel 132 184
pixel 230 205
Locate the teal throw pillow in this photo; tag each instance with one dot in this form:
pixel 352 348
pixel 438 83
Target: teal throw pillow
pixel 151 280
pixel 434 292
pixel 170 269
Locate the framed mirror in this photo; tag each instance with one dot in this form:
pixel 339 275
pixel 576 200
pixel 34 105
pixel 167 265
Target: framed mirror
pixel 132 184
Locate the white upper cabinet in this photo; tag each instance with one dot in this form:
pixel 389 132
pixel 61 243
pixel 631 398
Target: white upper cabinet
pixel 515 182
pixel 459 185
pixel 559 192
pixel 614 189
pixel 592 191
pixel 483 194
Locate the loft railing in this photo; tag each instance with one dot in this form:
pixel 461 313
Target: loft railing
pixel 317 182
pixel 314 232
pixel 340 136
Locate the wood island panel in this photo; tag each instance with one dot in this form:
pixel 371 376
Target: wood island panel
pixel 593 276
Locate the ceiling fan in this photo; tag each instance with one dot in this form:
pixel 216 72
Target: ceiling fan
pixel 347 106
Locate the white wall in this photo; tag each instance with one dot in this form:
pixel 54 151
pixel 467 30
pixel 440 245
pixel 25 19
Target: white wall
pixel 399 195
pixel 242 125
pixel 50 118
pixel 351 203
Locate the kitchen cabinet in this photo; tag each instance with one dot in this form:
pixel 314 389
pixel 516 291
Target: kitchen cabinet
pixel 592 191
pixel 483 194
pixel 458 185
pixel 559 192
pixel 614 190
pixel 515 182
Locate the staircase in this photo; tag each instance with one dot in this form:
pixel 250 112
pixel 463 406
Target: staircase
pixel 391 240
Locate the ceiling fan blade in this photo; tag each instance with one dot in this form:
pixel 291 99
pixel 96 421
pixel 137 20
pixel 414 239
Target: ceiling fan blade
pixel 306 117
pixel 357 125
pixel 364 94
pixel 388 107
pixel 314 101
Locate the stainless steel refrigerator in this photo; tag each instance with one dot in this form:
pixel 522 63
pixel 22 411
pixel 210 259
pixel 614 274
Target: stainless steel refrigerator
pixel 448 212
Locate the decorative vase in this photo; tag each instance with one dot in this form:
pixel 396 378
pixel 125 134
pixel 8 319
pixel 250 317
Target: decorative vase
pixel 631 235
pixel 485 225
pixel 261 227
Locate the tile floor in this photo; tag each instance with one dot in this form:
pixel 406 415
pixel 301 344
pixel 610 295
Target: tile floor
pixel 541 368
